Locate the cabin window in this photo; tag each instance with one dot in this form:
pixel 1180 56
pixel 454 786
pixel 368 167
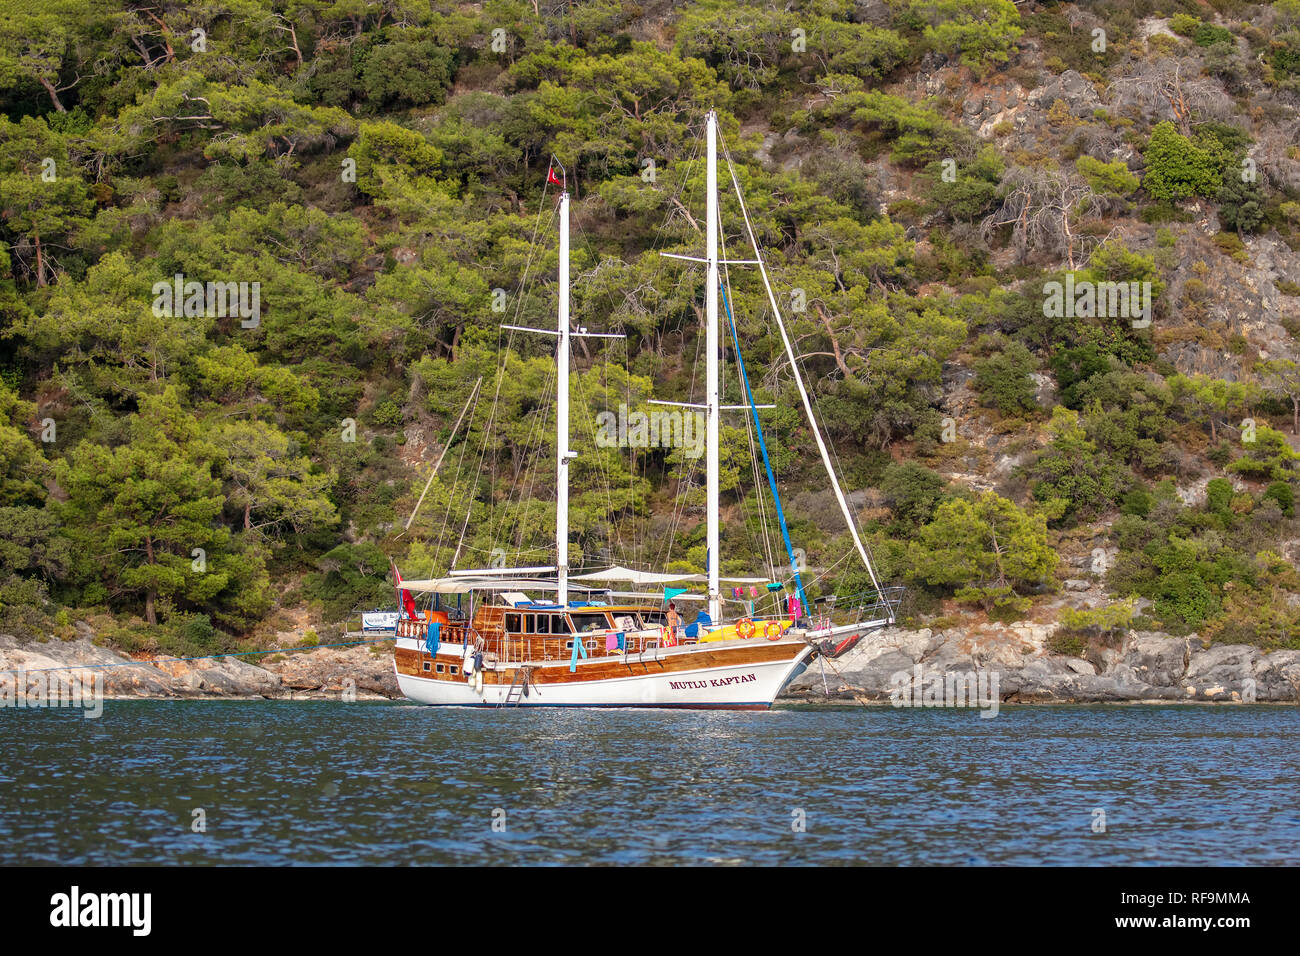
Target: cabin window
pixel 427 665
pixel 513 622
pixel 584 623
pixel 560 625
pixel 530 624
pixel 455 669
pixel 440 670
pixel 543 624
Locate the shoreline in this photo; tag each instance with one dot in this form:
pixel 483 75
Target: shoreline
pixel 1011 665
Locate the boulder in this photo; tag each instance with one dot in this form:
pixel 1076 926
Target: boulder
pixel 1156 659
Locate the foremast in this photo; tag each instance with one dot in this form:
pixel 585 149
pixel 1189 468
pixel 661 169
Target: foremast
pixel 712 410
pixel 562 452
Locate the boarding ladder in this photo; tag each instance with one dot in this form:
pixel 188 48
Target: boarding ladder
pixel 518 688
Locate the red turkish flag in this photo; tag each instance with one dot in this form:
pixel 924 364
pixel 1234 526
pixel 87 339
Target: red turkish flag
pixel 404 599
pixel 551 179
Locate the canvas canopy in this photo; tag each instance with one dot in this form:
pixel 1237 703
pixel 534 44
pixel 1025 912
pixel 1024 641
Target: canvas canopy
pixel 592 581
pixel 631 576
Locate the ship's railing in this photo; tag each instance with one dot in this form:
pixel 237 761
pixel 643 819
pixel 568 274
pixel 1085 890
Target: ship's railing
pixel 502 649
pixel 856 608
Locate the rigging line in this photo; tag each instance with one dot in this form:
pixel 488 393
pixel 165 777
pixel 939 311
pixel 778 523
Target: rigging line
pixel 522 292
pixel 437 465
pixel 785 339
pixel 764 528
pixel 605 347
pixel 686 483
pixel 533 453
pixel 780 515
pixel 664 551
pixel 615 538
pixel 743 499
pixel 451 492
pixel 638 531
pixel 839 468
pixel 496 401
pixel 529 452
pixel 532 250
pixel 603 472
pixel 470 547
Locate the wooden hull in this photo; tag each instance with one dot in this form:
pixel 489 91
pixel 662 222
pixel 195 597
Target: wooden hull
pixel 735 675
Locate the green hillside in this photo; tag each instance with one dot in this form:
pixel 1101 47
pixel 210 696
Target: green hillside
pixel 951 195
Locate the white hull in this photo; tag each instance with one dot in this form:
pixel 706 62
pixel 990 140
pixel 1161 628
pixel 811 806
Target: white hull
pixel 743 686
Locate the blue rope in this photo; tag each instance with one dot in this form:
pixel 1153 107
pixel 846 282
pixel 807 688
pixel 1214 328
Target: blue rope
pixel 762 446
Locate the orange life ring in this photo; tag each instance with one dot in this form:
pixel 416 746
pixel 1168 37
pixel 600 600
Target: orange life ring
pixel 745 628
pixel 773 630
pixel 669 639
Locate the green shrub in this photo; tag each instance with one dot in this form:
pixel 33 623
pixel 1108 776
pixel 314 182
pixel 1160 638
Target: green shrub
pixel 1284 495
pixel 1218 496
pixel 1003 380
pixel 1070 469
pixel 1108 179
pixel 912 492
pixel 1177 168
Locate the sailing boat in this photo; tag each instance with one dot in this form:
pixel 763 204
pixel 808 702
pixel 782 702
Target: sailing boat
pixel 540 636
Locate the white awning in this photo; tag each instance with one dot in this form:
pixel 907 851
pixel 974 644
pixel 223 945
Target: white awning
pixel 619 573
pixel 593 581
pixel 466 585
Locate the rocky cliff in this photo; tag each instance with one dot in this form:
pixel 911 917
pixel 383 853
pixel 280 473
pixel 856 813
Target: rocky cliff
pixel 1146 666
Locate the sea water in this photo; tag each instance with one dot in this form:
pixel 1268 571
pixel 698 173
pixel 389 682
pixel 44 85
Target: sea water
pixel 286 782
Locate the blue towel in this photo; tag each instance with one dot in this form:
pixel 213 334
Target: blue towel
pixel 433 639
pixel 577 649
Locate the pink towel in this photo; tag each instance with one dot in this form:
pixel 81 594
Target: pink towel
pixel 611 642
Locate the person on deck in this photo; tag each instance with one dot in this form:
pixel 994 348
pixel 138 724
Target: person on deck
pixel 673 619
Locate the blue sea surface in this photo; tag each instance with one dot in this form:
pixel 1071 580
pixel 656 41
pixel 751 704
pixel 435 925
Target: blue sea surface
pixel 293 782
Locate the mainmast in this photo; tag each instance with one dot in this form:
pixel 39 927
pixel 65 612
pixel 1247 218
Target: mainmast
pixel 711 381
pixel 562 453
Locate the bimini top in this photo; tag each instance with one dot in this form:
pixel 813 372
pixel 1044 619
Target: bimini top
pixel 466 584
pixel 593 581
pixel 618 573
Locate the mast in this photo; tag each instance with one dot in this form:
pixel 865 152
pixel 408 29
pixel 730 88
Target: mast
pixel 711 381
pixel 562 453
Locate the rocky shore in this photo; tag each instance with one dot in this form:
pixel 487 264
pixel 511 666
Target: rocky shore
pixel 1144 667
pixel 324 673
